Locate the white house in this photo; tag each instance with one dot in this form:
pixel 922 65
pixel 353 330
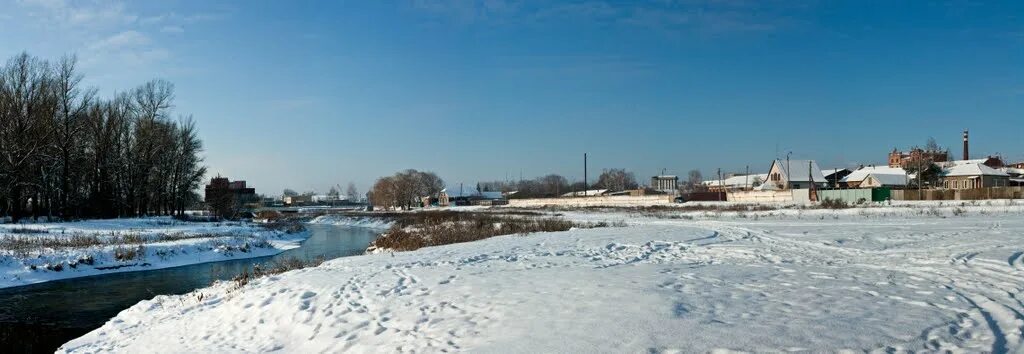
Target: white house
pixel 875 180
pixel 587 193
pixel 736 183
pixel 884 175
pixel 976 175
pixel 804 172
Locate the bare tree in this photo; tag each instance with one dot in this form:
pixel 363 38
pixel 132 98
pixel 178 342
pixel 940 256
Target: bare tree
pixel 932 145
pixel 695 177
pixel 72 103
pixel 351 192
pixel 404 189
pixel 553 185
pixel 73 155
pixel 28 105
pixel 616 179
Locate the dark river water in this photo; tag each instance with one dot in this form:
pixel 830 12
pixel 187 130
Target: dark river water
pixel 40 318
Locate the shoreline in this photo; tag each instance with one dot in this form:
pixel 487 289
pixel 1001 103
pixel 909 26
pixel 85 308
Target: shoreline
pixel 199 243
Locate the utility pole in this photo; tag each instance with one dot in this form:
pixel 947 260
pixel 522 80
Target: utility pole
pixel 789 173
pixel 746 178
pixel 721 188
pixel 920 175
pixel 812 194
pixel 584 173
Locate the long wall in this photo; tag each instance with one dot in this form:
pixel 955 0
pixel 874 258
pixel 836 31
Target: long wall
pixel 960 194
pixel 764 196
pixel 619 200
pixel 851 196
pixel 785 196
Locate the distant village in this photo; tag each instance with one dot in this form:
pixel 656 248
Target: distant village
pixel 929 173
pixel 918 174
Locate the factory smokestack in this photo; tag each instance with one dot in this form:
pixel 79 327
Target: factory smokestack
pixel 967 155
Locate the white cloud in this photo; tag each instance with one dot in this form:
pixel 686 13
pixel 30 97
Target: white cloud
pixel 128 48
pixel 85 14
pixel 202 17
pixel 155 20
pixel 172 29
pixel 123 40
pixel 468 11
pixel 698 16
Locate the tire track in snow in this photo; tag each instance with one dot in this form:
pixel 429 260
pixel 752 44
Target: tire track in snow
pixel 991 289
pixel 1016 261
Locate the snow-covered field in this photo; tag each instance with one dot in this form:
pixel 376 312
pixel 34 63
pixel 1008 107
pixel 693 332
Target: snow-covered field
pixel 156 243
pixel 916 278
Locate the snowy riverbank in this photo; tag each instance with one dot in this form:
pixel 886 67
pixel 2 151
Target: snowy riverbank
pixel 353 221
pixel 35 253
pixel 823 280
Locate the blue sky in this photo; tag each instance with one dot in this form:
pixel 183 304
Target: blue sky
pixel 308 94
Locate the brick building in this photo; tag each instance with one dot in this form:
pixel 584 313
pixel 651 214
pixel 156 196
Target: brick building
pixel 220 186
pixel 916 155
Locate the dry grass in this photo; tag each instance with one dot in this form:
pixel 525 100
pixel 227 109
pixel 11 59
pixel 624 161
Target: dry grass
pixel 833 204
pixel 286 225
pixel 23 245
pixel 276 267
pixel 124 254
pixel 412 231
pixel 29 243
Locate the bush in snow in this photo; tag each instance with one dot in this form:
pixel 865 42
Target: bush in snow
pixel 124 254
pixel 830 203
pixel 434 228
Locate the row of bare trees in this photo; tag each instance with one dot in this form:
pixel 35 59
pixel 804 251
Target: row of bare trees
pixel 66 152
pixel 548 186
pixel 554 185
pixel 404 189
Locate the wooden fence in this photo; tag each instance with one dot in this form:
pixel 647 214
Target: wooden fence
pixel 960 194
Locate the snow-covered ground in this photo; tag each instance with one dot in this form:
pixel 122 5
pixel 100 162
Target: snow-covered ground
pixel 916 278
pixel 158 242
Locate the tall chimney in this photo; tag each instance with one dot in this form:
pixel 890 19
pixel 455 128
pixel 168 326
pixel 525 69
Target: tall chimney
pixel 967 155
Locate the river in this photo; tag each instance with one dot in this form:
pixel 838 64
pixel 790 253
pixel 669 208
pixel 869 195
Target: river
pixel 41 317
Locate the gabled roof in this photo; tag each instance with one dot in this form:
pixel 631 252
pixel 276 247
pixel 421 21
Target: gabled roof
pixel 954 163
pixel 492 195
pixel 862 173
pixel 800 170
pixel 457 191
pixel 889 179
pixel 738 181
pixel 832 171
pixel 1012 170
pixel 974 169
pixel 588 193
